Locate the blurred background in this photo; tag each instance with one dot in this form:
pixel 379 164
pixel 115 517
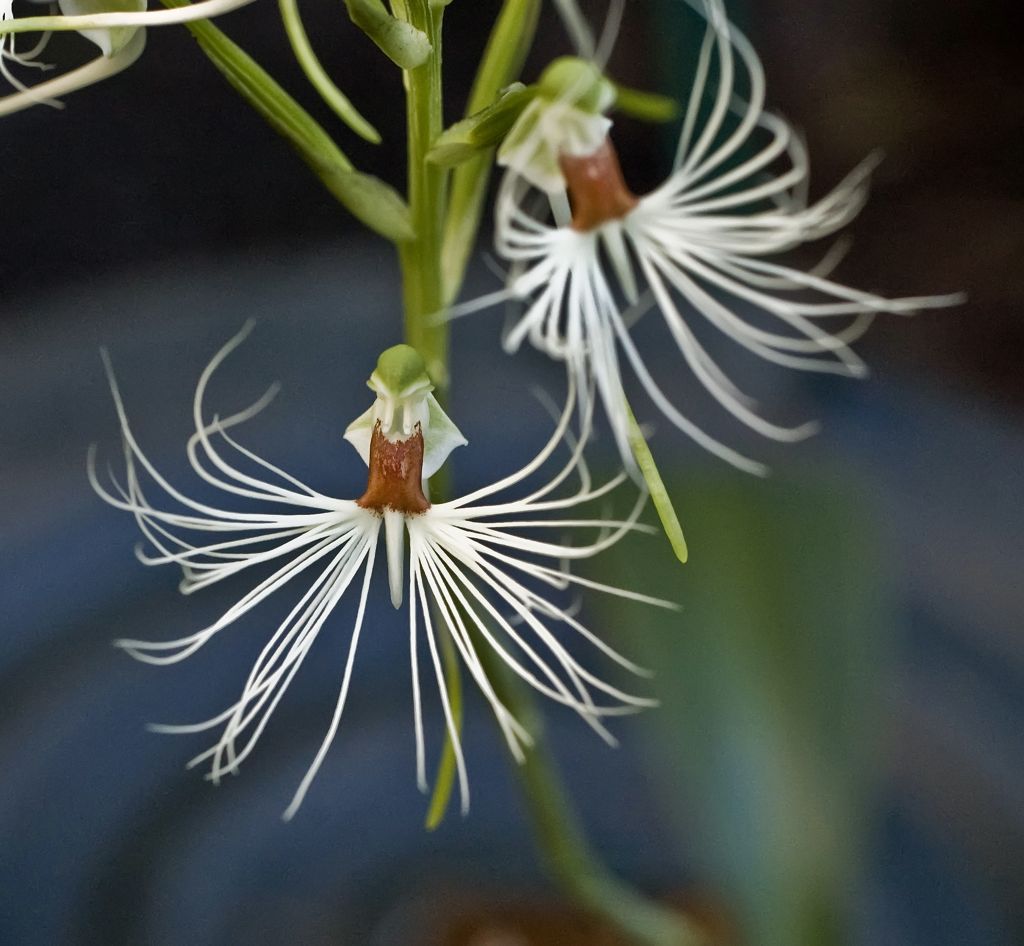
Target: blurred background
pixel 838 758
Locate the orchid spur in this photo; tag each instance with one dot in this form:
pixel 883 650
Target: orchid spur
pixel 587 257
pixel 471 568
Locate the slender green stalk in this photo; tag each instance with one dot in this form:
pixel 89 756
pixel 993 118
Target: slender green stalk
pixel 561 840
pixel 555 826
pixel 423 296
pixel 420 257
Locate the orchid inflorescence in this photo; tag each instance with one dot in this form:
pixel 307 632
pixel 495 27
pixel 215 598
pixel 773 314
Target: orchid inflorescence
pixel 586 258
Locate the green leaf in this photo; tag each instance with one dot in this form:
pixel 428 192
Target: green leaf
pixel 372 201
pixel 662 502
pixel 480 131
pixel 768 739
pixel 646 106
pixel 446 769
pixel 317 75
pixel 368 199
pixel 401 42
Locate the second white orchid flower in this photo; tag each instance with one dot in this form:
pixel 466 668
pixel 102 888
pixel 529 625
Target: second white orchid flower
pixel 588 257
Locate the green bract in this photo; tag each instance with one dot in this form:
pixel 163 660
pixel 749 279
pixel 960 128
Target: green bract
pixel 366 197
pixel 482 130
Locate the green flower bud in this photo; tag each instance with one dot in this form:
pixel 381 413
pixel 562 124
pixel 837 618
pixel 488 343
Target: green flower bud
pixel 577 82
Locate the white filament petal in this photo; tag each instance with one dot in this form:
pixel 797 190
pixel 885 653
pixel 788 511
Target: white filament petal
pixel 48 92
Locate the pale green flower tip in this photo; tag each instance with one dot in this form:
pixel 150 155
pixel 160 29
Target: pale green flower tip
pixel 577 82
pixel 404 401
pixel 565 118
pixel 399 369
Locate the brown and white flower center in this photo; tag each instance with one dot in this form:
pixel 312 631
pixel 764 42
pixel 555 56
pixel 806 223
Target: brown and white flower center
pixel 395 474
pixel 597 190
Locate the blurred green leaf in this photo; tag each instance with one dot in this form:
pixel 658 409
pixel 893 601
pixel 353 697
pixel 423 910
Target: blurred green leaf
pixel 769 681
pixel 370 200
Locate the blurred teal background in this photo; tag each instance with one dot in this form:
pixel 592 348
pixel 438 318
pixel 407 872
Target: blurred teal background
pixel 838 756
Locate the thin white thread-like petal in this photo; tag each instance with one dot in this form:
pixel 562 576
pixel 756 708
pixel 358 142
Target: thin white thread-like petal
pixel 415 562
pixel 516 736
pixel 307 779
pixel 96 70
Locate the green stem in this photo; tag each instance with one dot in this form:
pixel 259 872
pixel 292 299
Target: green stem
pixel 423 294
pixel 420 258
pixel 559 835
pixel 555 826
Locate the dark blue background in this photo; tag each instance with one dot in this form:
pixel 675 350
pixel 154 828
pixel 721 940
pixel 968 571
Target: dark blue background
pixel 154 217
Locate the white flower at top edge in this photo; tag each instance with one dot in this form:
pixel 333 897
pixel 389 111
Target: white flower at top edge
pixel 9 52
pixel 116 27
pixel 701 244
pixel 474 565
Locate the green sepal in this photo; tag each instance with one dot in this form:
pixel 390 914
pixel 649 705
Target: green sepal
pixel 482 130
pixel 646 106
pixel 400 367
pixel 662 501
pixel 577 82
pixel 400 41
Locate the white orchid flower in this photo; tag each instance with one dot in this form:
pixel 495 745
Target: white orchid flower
pixel 116 27
pixel 472 564
pixel 592 257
